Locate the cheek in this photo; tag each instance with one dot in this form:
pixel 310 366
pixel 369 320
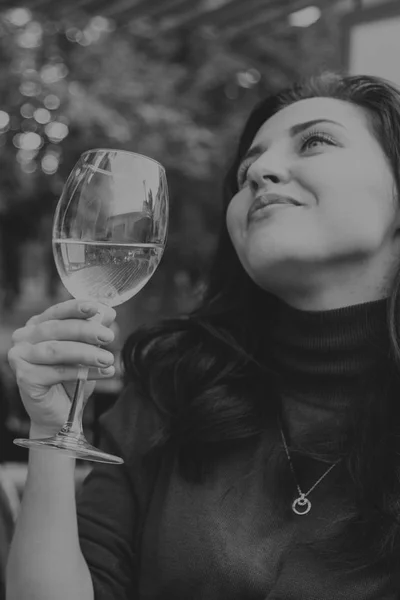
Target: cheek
pixel 355 201
pixel 236 217
pixel 351 180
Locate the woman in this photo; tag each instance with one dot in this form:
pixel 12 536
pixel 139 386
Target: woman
pixel 261 432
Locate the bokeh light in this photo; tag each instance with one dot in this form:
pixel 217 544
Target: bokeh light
pixel 305 16
pixel 30 88
pixel 56 131
pixel 53 73
pixel 29 141
pixel 101 24
pixel 31 37
pixel 28 166
pixel 4 119
pixel 50 163
pixel 72 34
pixel 27 110
pixel 18 16
pixel 249 78
pixel 42 116
pixel 52 102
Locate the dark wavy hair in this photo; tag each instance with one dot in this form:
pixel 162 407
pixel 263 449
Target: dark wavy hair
pixel 207 372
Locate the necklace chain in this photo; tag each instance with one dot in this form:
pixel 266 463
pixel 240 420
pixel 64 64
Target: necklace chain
pixel 302 501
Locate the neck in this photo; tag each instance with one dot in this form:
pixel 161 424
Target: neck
pixel 350 286
pixel 332 301
pixel 323 358
pixel 329 347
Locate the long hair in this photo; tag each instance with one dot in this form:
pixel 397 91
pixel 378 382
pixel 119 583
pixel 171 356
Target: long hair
pixel 205 376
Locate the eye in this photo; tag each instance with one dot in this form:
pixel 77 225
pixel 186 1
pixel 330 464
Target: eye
pixel 242 172
pixel 314 138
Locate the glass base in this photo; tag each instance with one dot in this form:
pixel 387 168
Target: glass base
pixel 70 445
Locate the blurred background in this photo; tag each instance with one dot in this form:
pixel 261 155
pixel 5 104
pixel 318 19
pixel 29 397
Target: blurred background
pixel 172 79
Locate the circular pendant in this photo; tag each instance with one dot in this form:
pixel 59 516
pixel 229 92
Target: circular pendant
pixel 301 506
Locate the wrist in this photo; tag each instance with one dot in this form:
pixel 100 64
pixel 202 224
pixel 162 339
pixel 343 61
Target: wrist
pixel 39 431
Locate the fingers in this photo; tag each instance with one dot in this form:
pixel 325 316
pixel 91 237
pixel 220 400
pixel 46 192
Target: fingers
pixel 89 332
pixel 29 376
pixel 75 309
pixel 60 353
pixel 52 345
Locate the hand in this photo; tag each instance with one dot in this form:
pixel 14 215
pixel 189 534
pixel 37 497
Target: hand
pixel 46 355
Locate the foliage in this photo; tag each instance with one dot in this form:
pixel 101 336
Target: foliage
pixel 180 99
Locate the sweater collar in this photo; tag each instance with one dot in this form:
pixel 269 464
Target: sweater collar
pixel 323 354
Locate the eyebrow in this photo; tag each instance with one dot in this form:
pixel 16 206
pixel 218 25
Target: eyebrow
pixel 293 131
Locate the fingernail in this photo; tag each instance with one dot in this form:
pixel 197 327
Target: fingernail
pixel 87 308
pixel 105 337
pixel 105 359
pixel 107 370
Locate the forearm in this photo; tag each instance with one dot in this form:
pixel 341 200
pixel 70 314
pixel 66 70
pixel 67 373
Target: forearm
pixel 45 560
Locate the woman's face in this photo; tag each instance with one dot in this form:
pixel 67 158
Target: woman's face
pixel 341 239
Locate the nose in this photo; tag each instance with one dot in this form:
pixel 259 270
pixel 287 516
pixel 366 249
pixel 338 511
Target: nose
pixel 268 169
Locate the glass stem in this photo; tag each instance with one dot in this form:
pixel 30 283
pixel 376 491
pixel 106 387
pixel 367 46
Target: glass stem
pixel 73 424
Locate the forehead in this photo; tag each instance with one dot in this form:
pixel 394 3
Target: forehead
pixel 353 117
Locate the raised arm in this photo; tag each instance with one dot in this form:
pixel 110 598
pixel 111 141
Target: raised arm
pixel 45 560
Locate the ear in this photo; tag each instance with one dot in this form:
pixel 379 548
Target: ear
pixel 396 203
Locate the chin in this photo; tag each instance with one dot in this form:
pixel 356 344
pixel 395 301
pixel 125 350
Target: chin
pixel 274 271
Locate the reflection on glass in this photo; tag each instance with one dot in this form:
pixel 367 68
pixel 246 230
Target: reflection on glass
pixel 109 234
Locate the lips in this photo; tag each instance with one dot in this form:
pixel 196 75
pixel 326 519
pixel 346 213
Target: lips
pixel 264 200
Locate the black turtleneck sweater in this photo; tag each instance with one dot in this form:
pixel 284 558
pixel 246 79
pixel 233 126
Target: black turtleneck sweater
pixel 148 534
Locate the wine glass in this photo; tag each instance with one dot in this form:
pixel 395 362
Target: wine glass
pixel 109 233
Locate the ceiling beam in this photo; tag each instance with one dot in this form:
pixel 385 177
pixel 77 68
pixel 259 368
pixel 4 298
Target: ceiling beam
pixel 230 17
pixel 190 19
pixel 140 8
pixel 277 19
pixel 86 3
pixel 236 9
pixel 260 20
pixel 7 4
pixel 171 6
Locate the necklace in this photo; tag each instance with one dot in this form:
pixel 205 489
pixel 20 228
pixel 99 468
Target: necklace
pixel 302 505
